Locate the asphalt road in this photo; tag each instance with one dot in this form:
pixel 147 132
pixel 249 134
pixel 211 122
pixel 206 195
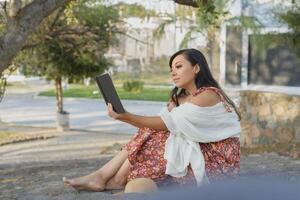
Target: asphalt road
pixel 85 114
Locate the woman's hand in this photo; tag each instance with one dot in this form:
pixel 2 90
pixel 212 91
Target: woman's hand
pixel 112 113
pixel 171 105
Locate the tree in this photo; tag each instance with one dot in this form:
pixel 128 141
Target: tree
pixel 193 3
pixel 21 24
pixel 71 44
pixel 292 19
pixel 209 17
pixel 16 24
pixel 15 29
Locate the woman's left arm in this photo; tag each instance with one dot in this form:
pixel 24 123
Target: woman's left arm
pixel 154 122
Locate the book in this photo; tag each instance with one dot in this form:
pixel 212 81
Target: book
pixel 109 92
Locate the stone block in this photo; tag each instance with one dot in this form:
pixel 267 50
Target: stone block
pixel 264 110
pixel 269 117
pixel 255 133
pixel 279 109
pixel 297 133
pixel 284 134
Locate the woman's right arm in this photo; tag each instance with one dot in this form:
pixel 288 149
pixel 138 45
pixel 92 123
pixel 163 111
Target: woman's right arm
pixel 154 122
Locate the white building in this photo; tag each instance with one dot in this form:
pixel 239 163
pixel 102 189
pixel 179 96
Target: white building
pixel 262 64
pixel 140 46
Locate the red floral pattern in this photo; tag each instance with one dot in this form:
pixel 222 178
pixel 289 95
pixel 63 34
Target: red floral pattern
pixel 146 156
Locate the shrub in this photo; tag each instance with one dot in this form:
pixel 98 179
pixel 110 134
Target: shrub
pixel 134 86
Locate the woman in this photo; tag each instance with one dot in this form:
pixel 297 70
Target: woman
pixel 194 140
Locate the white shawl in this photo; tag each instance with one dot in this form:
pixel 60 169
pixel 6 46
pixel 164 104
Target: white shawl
pixel 190 124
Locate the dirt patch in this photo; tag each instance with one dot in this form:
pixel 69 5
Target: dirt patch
pixel 12 133
pixel 113 149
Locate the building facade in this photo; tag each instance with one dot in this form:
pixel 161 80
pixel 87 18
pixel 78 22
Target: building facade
pixel 261 59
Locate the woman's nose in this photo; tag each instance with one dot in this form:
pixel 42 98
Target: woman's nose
pixel 173 73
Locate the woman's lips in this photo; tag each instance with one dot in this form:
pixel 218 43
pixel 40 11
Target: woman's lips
pixel 175 79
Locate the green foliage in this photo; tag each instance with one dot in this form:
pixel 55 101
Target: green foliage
pixel 3 81
pixel 209 17
pixel 2 86
pixel 292 19
pixel 186 39
pixel 2 28
pixel 2 20
pixel 71 43
pixel 251 23
pixel 160 30
pixel 134 86
pixel 149 94
pixel 211 13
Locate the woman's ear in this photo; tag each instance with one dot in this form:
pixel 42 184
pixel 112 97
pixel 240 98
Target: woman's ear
pixel 197 68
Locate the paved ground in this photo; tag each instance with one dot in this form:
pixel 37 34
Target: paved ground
pixel 33 170
pixel 24 107
pixel 21 105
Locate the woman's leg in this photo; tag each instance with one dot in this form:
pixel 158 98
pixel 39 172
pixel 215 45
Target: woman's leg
pixel 96 181
pixel 119 180
pixel 141 185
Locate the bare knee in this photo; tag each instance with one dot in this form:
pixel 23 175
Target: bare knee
pixel 141 185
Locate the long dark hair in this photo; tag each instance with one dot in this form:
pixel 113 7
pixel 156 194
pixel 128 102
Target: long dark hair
pixel 204 77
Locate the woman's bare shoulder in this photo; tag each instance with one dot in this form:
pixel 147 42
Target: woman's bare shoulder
pixel 206 98
pixel 182 99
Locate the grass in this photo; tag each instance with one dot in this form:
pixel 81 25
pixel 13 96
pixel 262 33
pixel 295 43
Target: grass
pixel 149 94
pixel 5 135
pixel 14 137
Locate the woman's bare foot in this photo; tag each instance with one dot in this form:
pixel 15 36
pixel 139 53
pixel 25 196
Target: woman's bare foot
pixel 92 182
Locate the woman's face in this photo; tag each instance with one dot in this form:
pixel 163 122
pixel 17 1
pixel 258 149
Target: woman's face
pixel 182 72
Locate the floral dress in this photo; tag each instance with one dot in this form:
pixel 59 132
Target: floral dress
pixel 146 155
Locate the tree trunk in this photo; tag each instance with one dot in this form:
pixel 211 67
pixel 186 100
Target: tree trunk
pixel 62 117
pixel 59 95
pixel 19 27
pixel 193 3
pixel 213 52
pixel 216 55
pixel 2 87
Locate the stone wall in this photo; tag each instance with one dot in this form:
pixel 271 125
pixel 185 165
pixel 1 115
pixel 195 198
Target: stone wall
pixel 269 118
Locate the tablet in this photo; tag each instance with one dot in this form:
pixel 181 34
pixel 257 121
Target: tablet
pixel 109 92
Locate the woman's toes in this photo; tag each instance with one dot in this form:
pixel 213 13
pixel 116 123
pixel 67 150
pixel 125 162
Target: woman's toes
pixel 72 182
pixel 66 181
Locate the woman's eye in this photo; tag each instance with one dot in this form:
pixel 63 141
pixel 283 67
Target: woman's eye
pixel 177 66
